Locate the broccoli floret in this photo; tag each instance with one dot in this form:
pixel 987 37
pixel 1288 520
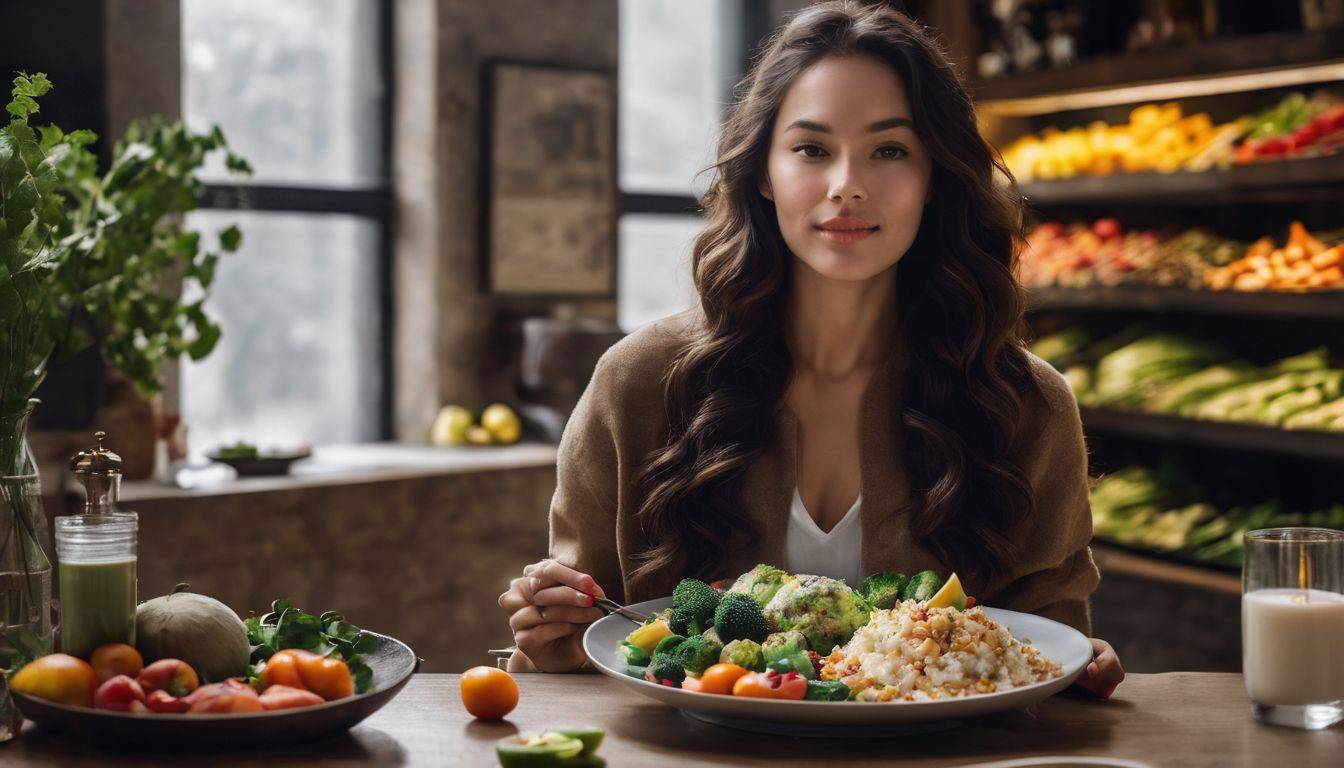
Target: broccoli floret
pixel 633 654
pixel 826 690
pixel 760 583
pixel 666 671
pixel 825 610
pixel 883 590
pixel 922 586
pixel 743 653
pixel 781 644
pixel 693 604
pixel 697 654
pixel 667 645
pixel 739 617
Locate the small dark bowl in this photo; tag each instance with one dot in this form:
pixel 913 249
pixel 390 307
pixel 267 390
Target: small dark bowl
pixel 264 465
pixel 391 660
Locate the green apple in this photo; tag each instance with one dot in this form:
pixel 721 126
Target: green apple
pixel 450 426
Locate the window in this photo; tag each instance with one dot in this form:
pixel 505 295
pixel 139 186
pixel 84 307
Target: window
pixel 678 62
pixel 300 89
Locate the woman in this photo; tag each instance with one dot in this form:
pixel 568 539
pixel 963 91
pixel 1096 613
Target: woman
pixel 852 394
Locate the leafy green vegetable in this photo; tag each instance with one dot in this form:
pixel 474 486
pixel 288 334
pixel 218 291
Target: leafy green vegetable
pixel 326 635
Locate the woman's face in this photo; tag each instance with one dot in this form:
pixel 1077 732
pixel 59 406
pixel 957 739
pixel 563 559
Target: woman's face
pixel 847 172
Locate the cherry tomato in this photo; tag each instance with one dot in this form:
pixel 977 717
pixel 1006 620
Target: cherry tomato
pixel 720 678
pixel 771 685
pixel 57 677
pixel 489 693
pixel 114 659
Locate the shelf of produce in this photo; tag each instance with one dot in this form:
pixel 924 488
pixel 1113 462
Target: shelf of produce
pixel 1112 559
pixel 1318 305
pixel 1215 434
pixel 1268 181
pixel 1273 51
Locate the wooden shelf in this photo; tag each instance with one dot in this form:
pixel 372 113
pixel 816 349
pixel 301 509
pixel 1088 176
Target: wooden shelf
pixel 1318 305
pixel 1247 53
pixel 1216 434
pixel 1271 181
pixel 1114 559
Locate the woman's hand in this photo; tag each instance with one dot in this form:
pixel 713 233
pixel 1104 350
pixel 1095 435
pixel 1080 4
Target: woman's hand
pixel 1104 672
pixel 549 607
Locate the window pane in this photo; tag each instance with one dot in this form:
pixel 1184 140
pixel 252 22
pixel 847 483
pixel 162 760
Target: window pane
pixel 295 85
pixel 678 60
pixel 299 357
pixel 655 267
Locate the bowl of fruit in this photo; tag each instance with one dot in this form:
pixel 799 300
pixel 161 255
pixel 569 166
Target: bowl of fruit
pixel 199 676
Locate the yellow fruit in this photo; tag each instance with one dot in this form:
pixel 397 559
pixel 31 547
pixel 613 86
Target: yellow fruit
pixel 502 422
pixel 57 677
pixel 648 636
pixel 478 435
pixel 450 426
pixel 950 596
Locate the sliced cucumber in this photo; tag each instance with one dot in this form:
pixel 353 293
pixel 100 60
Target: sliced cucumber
pixel 590 735
pixel 528 750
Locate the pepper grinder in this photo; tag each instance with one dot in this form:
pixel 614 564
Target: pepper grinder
pixel 96 558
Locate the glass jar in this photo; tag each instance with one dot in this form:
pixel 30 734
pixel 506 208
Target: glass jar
pixel 96 556
pixel 25 562
pixel 96 559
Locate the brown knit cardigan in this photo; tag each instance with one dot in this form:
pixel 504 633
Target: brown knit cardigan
pixel 621 418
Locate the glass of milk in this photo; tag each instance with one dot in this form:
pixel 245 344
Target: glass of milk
pixel 1292 625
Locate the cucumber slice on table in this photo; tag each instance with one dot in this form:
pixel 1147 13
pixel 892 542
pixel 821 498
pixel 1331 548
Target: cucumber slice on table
pixel 590 735
pixel 529 750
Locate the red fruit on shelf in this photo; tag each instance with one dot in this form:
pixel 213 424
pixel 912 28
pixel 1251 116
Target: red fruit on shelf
pixel 1106 228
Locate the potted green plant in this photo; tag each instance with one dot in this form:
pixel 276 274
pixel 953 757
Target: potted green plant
pixel 88 259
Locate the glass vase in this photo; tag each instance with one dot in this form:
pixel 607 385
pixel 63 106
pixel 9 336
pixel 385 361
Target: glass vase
pixel 25 562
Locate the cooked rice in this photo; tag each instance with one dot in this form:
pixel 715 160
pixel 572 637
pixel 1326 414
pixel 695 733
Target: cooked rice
pixel 913 653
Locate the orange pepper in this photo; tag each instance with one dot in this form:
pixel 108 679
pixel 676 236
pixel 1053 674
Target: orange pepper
pixel 326 676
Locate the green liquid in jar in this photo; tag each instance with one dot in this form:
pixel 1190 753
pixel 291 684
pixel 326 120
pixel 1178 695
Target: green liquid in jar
pixel 97 605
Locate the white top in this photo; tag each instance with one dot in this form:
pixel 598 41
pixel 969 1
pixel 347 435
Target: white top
pixel 833 553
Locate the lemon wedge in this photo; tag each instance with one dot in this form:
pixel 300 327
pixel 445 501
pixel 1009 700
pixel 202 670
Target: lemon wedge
pixel 950 595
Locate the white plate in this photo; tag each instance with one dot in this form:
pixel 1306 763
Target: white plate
pixel 1058 642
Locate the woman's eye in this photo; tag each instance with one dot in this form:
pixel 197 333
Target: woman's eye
pixel 886 153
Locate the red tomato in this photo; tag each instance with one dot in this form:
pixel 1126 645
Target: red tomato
pixel 120 694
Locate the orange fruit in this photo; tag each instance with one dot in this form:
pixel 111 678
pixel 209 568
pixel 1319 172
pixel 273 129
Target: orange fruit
pixel 114 659
pixel 57 677
pixel 720 678
pixel 488 693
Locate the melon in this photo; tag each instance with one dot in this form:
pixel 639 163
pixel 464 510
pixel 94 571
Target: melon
pixel 199 630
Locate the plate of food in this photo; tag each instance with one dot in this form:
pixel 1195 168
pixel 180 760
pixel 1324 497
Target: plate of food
pixel 299 677
pixel 250 461
pixel 801 655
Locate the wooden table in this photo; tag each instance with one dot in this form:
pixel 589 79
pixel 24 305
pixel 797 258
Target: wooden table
pixel 1173 719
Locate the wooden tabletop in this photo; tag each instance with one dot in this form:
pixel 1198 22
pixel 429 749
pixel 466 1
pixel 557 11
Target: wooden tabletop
pixel 1173 719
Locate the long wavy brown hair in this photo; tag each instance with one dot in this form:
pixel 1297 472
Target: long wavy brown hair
pixel 960 313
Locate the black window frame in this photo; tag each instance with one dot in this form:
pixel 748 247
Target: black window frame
pixel 373 204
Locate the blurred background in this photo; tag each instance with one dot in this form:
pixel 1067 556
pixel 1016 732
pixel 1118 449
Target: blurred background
pixel 454 204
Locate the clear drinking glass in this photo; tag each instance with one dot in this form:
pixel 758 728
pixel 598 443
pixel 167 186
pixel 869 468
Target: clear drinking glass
pixel 1292 625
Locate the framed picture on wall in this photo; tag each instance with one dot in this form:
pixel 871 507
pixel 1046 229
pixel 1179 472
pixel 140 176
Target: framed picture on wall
pixel 550 180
